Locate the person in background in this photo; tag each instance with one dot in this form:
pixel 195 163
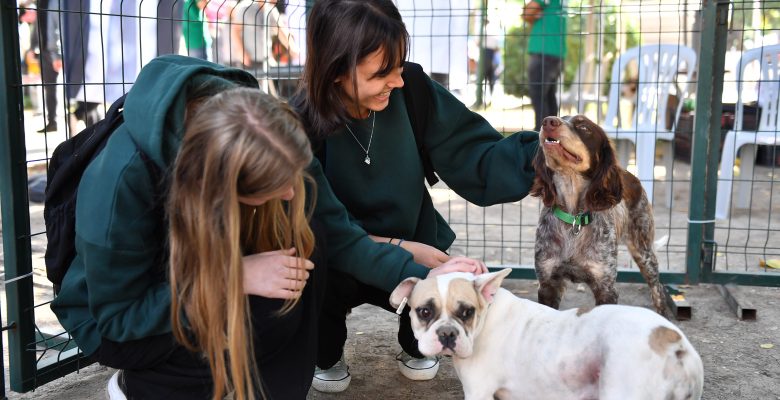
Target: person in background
pixel 51 58
pixel 217 14
pixel 547 49
pixel 439 31
pixel 169 21
pixel 491 56
pixel 261 39
pixel 356 115
pixel 256 27
pixel 104 46
pixel 193 29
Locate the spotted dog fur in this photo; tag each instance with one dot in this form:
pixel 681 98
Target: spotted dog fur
pixel 576 169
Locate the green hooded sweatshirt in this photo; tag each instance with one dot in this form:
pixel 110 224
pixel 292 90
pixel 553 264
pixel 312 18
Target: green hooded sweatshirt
pixel 388 197
pixel 117 285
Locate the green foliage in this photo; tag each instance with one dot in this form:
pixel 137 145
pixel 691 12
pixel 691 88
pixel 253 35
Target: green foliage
pixel 746 21
pixel 515 77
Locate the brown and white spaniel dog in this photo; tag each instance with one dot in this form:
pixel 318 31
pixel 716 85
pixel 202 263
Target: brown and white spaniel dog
pixel 591 205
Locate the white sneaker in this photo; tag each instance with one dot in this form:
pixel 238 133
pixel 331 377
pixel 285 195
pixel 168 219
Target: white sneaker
pixel 113 390
pixel 332 380
pixel 417 369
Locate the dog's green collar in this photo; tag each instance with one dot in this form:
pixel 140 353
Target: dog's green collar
pixel 577 221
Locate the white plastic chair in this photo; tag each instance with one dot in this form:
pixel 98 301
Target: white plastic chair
pixel 745 142
pixel 658 68
pixel 585 88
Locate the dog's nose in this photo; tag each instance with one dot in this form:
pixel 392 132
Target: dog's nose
pixel 447 336
pixel 551 122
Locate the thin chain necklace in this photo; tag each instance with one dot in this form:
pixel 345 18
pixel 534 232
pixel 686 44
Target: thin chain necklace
pixel 367 160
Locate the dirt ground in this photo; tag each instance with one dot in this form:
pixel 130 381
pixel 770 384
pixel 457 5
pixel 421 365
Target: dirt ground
pixel 741 358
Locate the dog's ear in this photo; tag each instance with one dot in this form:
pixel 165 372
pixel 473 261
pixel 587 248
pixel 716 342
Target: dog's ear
pixel 487 284
pixel 606 188
pixel 404 289
pixel 543 185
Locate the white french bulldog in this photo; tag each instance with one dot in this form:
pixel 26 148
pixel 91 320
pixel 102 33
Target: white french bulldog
pixel 506 347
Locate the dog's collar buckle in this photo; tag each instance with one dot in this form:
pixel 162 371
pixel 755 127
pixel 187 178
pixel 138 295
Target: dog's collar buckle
pixel 577 221
pixel 576 228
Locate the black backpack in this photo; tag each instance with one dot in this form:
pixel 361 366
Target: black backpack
pixel 66 166
pixel 417 95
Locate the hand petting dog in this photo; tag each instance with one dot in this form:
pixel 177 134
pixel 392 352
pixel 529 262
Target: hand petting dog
pixel 433 258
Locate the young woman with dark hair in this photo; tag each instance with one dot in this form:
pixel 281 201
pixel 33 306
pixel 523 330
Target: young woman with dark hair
pixel 354 111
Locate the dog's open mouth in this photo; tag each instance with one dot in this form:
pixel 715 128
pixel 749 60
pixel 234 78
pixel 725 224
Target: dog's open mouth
pixel 554 144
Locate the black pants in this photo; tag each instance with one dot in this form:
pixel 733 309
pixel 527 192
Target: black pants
pixel 48 73
pixel 157 367
pixel 285 348
pixel 489 67
pixel 344 293
pixel 49 79
pixel 543 74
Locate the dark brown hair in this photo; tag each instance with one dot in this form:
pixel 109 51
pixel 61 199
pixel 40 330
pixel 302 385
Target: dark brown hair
pixel 340 33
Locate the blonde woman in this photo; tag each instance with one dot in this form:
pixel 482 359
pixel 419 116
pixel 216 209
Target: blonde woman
pixel 194 273
pixel 242 168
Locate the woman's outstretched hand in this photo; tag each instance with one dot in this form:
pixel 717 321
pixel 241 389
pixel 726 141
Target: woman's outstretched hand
pixel 460 264
pixel 276 274
pixel 425 254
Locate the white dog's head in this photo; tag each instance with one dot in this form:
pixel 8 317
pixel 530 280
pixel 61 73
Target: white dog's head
pixel 448 311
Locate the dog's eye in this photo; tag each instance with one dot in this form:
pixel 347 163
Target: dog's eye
pixel 583 129
pixel 424 313
pixel 466 313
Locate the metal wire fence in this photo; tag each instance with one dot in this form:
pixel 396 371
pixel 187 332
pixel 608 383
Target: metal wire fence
pixel 664 78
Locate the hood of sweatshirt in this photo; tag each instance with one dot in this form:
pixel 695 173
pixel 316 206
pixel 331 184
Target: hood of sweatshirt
pixel 154 107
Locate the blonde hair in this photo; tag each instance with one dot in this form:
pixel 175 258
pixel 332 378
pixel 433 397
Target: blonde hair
pixel 240 142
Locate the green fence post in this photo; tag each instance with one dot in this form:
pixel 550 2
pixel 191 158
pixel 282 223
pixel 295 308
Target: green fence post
pixel 15 212
pixel 706 138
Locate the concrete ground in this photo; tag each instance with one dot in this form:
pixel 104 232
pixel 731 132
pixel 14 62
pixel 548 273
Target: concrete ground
pixel 741 358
